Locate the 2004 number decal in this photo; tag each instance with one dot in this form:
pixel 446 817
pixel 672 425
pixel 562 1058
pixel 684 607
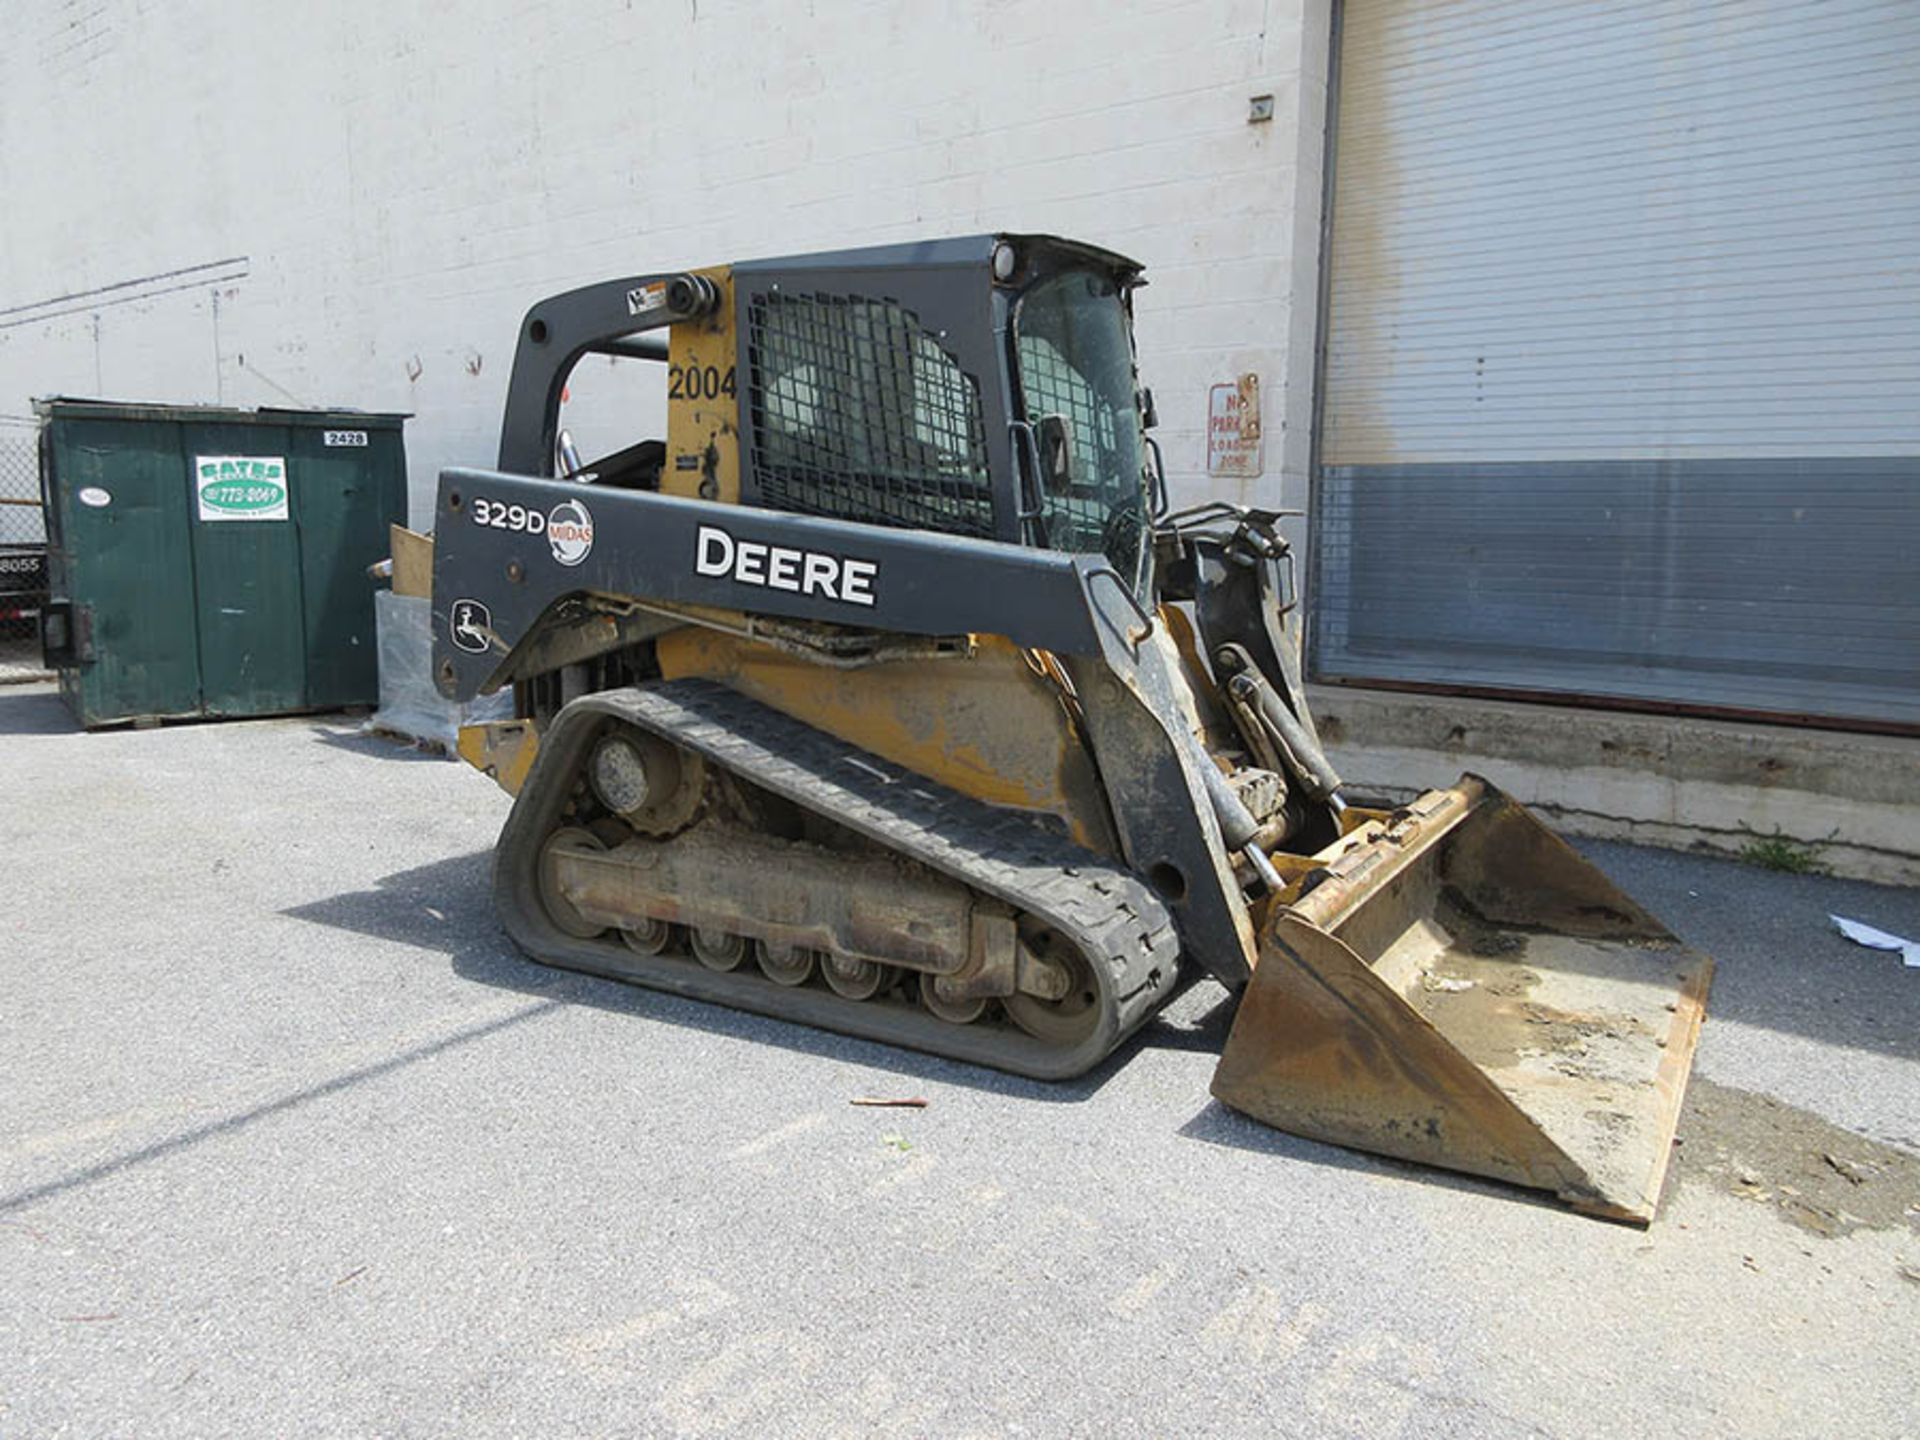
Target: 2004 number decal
pixel 699 382
pixel 495 516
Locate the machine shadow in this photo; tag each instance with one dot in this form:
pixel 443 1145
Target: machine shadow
pixel 35 710
pixel 447 908
pixel 374 744
pixel 1217 1124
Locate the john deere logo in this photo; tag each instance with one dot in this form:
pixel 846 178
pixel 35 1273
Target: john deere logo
pixel 241 487
pixel 570 532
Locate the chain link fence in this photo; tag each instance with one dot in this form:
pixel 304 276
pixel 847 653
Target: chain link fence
pixel 23 551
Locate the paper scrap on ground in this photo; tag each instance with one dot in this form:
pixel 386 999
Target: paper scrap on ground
pixel 1879 940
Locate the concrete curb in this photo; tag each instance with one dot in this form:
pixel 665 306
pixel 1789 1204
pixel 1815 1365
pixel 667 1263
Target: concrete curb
pixel 1675 782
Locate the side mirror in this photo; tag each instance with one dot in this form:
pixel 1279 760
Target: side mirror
pixel 1054 437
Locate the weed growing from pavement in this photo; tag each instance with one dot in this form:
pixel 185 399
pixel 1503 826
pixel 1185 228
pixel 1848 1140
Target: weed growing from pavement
pixel 1789 857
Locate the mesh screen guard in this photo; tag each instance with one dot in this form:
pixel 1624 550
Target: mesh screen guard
pixel 861 414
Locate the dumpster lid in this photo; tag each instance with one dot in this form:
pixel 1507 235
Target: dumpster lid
pixel 49 406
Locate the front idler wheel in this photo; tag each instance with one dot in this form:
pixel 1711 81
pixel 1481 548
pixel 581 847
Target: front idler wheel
pixel 1075 1016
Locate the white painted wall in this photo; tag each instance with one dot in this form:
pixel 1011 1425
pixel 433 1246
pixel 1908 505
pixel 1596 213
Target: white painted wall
pixel 396 184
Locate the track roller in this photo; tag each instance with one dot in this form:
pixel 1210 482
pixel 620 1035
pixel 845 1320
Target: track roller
pixel 856 979
pixel 650 937
pixel 962 1011
pixel 718 950
pixel 785 964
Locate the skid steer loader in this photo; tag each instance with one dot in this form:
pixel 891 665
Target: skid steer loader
pixel 884 694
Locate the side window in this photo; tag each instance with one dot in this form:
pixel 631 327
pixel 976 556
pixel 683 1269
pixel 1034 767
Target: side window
pixel 614 410
pixel 1054 387
pixel 1076 362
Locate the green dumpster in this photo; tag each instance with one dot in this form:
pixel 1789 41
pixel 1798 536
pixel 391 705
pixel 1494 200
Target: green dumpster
pixel 212 562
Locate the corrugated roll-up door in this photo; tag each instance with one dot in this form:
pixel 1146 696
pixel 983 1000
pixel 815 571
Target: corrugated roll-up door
pixel 1622 385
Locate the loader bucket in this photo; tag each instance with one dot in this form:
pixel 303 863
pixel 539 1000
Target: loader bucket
pixel 1461 988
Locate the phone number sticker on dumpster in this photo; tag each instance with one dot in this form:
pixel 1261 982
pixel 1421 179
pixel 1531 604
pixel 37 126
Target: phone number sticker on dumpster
pixel 241 487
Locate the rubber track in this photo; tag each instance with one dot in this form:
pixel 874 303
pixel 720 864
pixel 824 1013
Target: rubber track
pixel 1102 908
pixel 1099 906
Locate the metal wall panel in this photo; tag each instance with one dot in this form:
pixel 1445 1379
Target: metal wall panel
pixel 246 583
pixel 127 564
pixel 347 497
pixel 1622 382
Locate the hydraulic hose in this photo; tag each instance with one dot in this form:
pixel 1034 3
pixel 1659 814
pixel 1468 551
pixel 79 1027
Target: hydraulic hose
pixel 1238 828
pixel 1308 762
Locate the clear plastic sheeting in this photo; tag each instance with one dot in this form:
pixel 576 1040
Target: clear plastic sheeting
pixel 410 706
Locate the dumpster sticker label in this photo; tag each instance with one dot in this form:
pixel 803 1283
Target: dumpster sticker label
pixel 570 532
pixel 241 487
pixel 95 497
pixel 356 438
pixel 470 624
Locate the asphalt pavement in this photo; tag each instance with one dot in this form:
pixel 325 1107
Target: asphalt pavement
pixel 293 1143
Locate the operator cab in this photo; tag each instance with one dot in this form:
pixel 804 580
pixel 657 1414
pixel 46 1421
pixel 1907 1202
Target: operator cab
pixel 982 387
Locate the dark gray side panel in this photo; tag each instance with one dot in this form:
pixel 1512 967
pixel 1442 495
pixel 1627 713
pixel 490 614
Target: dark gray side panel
pixel 648 546
pixel 492 582
pixel 1782 586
